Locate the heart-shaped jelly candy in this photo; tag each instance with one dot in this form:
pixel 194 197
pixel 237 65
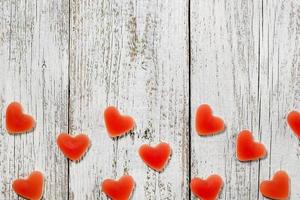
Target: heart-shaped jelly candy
pixel 155 157
pixel 293 120
pixel 16 120
pixel 208 189
pixel 30 188
pixel 278 188
pixel 73 147
pixel 206 123
pixel 116 124
pixel 247 149
pixel 118 190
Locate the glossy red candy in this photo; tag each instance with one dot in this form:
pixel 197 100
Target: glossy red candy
pixel 293 120
pixel 155 157
pixel 30 188
pixel 247 149
pixel 16 121
pixel 73 147
pixel 206 123
pixel 278 188
pixel 116 124
pixel 120 189
pixel 208 189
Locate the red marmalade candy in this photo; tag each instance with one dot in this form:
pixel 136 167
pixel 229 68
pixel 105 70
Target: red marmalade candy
pixel 206 123
pixel 116 124
pixel 247 149
pixel 155 157
pixel 278 188
pixel 73 147
pixel 30 188
pixel 208 189
pixel 293 120
pixel 118 190
pixel 16 120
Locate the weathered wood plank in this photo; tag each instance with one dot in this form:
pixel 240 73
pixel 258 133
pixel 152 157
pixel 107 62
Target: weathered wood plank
pixel 279 88
pixel 34 71
pixel 134 55
pixel 225 74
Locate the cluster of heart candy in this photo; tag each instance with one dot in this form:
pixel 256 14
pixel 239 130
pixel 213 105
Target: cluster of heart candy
pixel 74 147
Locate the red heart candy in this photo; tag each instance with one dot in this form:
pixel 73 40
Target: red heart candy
pixel 73 147
pixel 116 124
pixel 247 149
pixel 206 123
pixel 293 120
pixel 278 188
pixel 208 189
pixel 155 157
pixel 16 120
pixel 30 188
pixel 118 190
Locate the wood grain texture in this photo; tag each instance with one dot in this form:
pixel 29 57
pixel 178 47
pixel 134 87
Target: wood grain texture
pixel 133 55
pixel 66 61
pixel 245 63
pixel 34 71
pixel 279 88
pixel 224 74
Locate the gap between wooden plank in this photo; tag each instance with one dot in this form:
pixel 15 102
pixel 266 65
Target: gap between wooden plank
pixel 190 108
pixel 69 89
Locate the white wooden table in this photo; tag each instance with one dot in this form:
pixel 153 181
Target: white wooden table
pixel 65 61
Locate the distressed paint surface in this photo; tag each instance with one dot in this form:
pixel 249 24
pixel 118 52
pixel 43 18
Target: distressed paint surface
pixel 279 88
pixel 133 55
pixel 245 63
pixel 34 71
pixel 156 61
